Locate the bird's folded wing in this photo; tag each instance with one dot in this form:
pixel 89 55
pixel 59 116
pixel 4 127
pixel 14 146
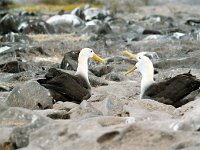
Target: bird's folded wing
pixel 66 84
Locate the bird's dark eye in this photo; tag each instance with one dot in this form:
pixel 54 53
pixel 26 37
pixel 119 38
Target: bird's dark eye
pixel 139 57
pixel 91 51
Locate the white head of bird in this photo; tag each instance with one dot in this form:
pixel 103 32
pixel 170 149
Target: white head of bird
pixel 145 67
pixel 83 57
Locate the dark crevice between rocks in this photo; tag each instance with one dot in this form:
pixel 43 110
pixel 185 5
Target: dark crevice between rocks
pixel 58 116
pixel 107 136
pixel 39 105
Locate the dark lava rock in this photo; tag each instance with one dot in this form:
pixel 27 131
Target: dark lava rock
pixel 16 67
pixel 17 23
pixel 69 61
pixel 26 13
pixel 17 124
pixel 8 51
pixel 30 95
pixel 36 26
pixel 101 70
pixel 64 105
pixel 97 27
pixel 193 22
pixel 15 37
pixel 147 31
pixel 10 23
pixel 78 12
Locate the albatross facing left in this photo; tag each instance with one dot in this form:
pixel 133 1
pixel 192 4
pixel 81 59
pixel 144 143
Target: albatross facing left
pixel 67 87
pixel 172 91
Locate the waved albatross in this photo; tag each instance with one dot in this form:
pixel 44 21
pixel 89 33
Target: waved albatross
pixel 67 87
pixel 172 91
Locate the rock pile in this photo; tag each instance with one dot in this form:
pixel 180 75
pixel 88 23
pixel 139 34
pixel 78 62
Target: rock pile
pixel 114 117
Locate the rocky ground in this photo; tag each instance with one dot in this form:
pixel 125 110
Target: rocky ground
pixel 114 117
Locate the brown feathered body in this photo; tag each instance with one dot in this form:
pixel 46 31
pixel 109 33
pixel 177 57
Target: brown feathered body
pixel 173 91
pixel 66 87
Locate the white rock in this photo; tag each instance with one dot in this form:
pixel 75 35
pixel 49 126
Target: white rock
pixel 65 20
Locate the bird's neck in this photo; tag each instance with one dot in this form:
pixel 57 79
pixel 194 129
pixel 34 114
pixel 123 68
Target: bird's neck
pixel 147 80
pixel 82 69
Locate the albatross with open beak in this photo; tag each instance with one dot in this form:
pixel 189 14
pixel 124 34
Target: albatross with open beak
pixel 172 91
pixel 67 87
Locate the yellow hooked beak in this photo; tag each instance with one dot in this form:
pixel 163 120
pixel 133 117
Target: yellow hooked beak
pixel 97 58
pixel 133 56
pixel 131 70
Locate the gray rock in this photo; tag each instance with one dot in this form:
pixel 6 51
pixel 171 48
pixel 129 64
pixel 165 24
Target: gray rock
pixel 64 105
pixel 70 60
pixel 95 13
pixel 30 95
pixel 113 106
pixel 12 51
pixel 17 66
pixel 36 26
pixel 66 23
pixel 152 106
pixel 101 70
pixel 97 81
pixel 119 25
pixel 15 37
pixel 78 12
pixel 53 113
pixel 10 23
pixel 97 27
pixel 3 97
pixel 186 62
pixel 12 78
pixel 84 111
pixel 75 134
pixel 189 117
pixel 143 114
pixel 16 125
pixel 104 132
pixel 115 76
pixel 16 23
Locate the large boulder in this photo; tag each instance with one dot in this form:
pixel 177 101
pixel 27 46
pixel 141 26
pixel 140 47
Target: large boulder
pixel 16 67
pixel 16 126
pixel 66 22
pixel 69 61
pixel 36 26
pixel 17 23
pixel 30 95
